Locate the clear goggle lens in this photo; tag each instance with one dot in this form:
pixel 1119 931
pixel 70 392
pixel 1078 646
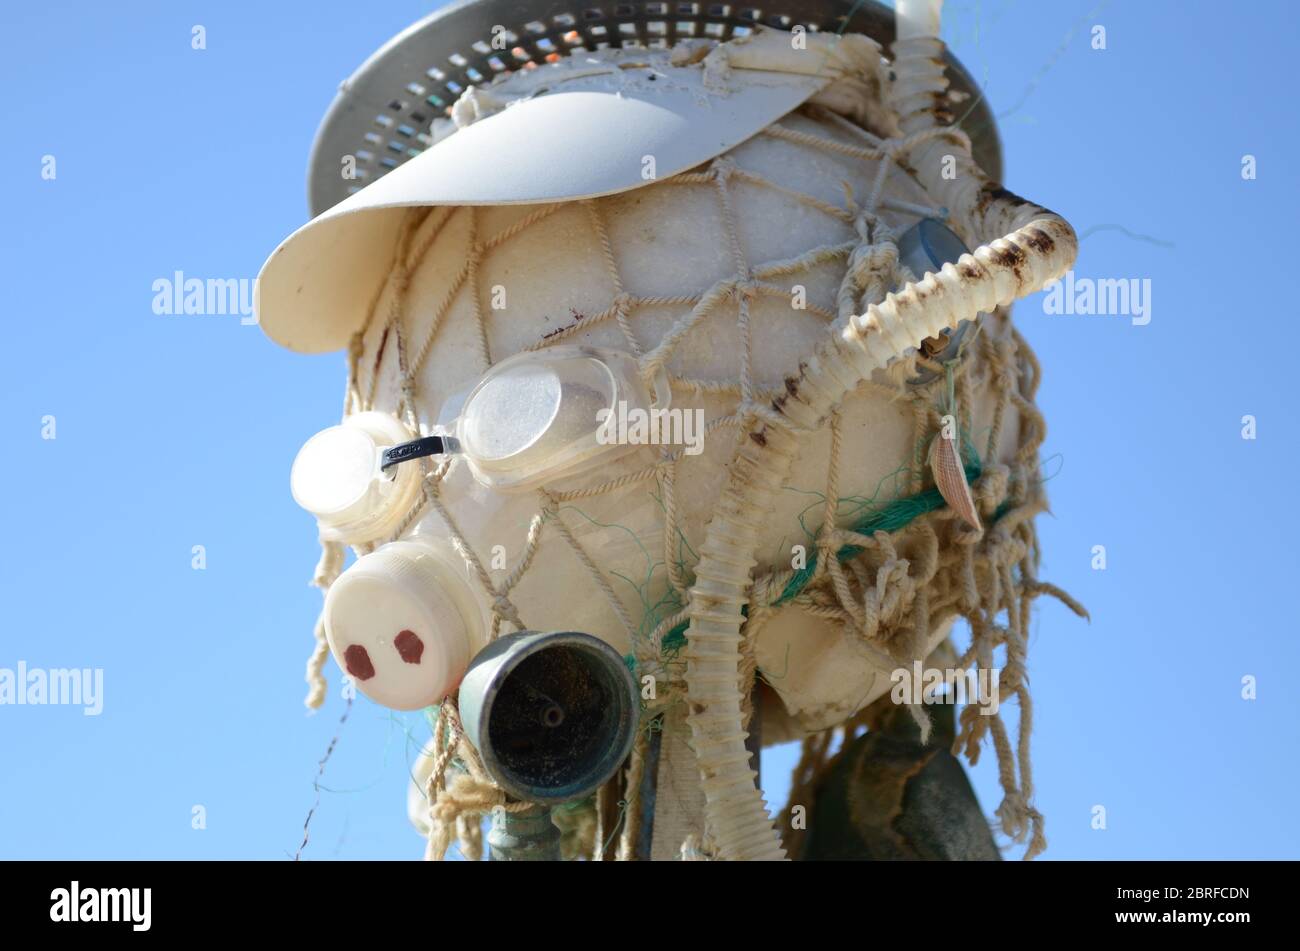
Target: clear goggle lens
pixel 336 476
pixel 536 416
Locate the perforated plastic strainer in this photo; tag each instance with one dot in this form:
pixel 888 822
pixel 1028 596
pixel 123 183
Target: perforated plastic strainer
pixel 383 112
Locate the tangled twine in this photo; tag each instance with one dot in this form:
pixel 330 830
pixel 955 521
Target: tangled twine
pixel 898 586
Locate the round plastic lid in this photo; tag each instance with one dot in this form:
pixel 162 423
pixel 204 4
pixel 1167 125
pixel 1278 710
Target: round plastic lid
pixel 928 246
pixel 333 471
pixel 336 477
pixel 511 412
pixel 535 413
pixel 399 622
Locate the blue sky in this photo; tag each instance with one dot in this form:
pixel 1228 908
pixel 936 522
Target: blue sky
pixel 177 431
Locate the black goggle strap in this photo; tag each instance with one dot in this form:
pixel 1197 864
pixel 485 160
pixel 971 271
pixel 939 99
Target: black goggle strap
pixel 417 449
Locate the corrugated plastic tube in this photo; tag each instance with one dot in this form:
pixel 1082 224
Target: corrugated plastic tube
pixel 1036 246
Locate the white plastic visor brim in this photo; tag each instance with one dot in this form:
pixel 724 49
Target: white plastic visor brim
pixel 578 141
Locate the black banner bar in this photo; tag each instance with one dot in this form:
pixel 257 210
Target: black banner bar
pixel 335 899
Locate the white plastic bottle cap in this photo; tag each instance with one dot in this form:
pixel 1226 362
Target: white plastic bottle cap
pixel 336 476
pixel 404 624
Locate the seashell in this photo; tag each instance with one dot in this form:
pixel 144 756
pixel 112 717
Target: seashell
pixel 950 478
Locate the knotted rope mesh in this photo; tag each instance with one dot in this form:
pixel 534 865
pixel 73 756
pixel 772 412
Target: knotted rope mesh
pixel 887 588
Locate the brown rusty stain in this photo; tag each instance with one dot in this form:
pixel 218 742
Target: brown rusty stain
pixel 990 193
pixel 993 192
pixel 941 109
pixel 1040 241
pixel 577 319
pixel 759 437
pixel 969 271
pixel 1008 256
pixel 792 386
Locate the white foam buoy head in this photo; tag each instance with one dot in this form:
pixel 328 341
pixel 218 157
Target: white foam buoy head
pixel 402 622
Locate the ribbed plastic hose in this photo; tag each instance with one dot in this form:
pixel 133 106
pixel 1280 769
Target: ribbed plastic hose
pixel 1038 247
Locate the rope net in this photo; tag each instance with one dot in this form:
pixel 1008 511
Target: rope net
pixel 886 572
